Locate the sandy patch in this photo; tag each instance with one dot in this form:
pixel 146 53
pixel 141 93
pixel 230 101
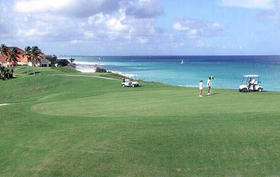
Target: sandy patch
pixel 4 104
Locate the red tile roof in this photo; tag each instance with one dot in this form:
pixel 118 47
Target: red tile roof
pixel 21 57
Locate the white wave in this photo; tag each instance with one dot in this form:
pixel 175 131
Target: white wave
pixel 88 63
pixel 122 74
pixel 90 67
pixel 87 67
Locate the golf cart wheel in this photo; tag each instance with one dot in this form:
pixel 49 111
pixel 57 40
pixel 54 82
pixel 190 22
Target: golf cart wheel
pixel 133 85
pixel 244 90
pixel 260 90
pixel 123 85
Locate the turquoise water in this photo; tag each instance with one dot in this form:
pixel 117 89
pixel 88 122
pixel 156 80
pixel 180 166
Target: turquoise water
pixel 228 70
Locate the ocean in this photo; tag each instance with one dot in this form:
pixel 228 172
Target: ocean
pixel 227 70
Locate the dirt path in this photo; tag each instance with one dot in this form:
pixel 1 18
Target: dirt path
pixel 99 77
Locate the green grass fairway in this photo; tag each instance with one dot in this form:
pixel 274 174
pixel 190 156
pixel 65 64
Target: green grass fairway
pixel 67 126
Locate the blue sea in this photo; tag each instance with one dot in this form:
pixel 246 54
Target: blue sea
pixel 227 70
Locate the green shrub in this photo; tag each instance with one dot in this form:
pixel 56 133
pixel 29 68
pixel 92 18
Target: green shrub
pixel 101 70
pixel 52 59
pixel 63 62
pixel 6 73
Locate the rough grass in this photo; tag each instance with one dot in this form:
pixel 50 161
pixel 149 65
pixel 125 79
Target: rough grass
pixel 76 126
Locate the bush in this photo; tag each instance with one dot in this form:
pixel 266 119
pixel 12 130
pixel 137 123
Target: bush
pixel 63 62
pixel 6 73
pixel 71 60
pixel 52 59
pixel 101 70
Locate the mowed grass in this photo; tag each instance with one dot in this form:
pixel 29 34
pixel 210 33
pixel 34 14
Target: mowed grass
pixel 82 126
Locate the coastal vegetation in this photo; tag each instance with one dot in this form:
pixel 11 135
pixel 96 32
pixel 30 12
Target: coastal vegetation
pixel 52 59
pixel 33 54
pixel 63 62
pixel 71 60
pixel 6 73
pixel 59 125
pixel 12 55
pixel 100 70
pixel 4 50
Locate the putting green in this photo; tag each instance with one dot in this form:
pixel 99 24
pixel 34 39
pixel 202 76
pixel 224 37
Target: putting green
pixel 182 102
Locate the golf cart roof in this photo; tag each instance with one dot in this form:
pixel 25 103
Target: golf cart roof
pixel 251 76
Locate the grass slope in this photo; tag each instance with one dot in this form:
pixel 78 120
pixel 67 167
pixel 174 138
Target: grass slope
pixel 81 126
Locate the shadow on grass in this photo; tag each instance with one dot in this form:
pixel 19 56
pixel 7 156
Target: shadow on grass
pixel 34 73
pixel 215 94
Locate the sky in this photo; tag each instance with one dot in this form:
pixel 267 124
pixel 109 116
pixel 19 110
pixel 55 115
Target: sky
pixel 143 27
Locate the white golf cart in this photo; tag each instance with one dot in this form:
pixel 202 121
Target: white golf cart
pixel 251 83
pixel 129 83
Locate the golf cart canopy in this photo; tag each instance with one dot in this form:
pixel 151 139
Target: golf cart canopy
pixel 251 76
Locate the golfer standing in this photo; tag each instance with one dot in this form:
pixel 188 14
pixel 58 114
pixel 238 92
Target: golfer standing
pixel 200 88
pixel 209 85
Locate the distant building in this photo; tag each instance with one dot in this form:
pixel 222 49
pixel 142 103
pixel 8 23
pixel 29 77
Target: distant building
pixel 43 62
pixel 22 59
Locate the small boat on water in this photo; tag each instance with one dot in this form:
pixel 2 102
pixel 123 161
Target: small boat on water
pixel 182 62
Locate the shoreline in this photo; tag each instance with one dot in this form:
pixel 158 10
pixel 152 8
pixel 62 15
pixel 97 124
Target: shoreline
pixel 130 76
pixel 95 65
pixel 90 67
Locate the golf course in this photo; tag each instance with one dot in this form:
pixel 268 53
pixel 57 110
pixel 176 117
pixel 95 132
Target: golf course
pixel 60 122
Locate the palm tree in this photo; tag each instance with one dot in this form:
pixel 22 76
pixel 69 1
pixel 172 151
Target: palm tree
pixel 12 55
pixel 27 54
pixel 35 55
pixel 72 60
pixel 4 50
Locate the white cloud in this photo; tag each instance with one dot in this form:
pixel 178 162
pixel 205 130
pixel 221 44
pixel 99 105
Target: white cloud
pixel 251 4
pixel 194 28
pixel 89 34
pixel 270 14
pixel 122 27
pixel 75 41
pixel 77 8
pixel 116 23
pixel 28 6
pixel 142 40
pixel 104 24
pixel 144 8
pixel 85 8
pixel 179 27
pixel 98 20
pixel 32 32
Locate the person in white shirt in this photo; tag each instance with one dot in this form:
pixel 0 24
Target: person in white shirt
pixel 201 88
pixel 209 85
pixel 252 83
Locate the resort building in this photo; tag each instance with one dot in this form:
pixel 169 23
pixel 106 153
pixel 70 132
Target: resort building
pixel 21 58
